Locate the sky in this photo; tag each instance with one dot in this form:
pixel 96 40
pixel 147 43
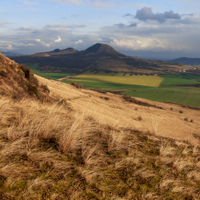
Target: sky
pixel 161 29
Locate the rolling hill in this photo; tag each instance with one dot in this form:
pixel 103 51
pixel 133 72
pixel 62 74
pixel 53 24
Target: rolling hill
pixel 82 144
pixel 187 61
pixel 99 57
pixel 9 54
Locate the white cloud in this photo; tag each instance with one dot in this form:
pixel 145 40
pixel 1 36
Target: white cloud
pixel 79 42
pixel 98 4
pixel 67 2
pixel 135 5
pixel 64 26
pixel 26 28
pixel 1 23
pixel 45 44
pixel 9 47
pixel 58 40
pixel 146 14
pixel 138 43
pixel 25 44
pixel 42 43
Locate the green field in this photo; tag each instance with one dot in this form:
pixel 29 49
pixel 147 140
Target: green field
pixel 191 99
pixel 53 76
pixel 162 88
pixel 156 88
pixel 173 80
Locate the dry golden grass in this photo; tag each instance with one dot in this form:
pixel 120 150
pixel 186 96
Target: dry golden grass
pixel 118 112
pixel 90 145
pixel 18 81
pixel 51 151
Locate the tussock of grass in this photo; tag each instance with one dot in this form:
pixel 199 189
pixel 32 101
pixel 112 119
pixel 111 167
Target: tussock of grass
pixel 49 151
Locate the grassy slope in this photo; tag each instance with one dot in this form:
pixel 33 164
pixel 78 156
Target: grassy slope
pixel 50 151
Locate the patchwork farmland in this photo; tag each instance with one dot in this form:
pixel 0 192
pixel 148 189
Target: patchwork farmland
pixel 119 78
pixel 181 89
pixel 165 88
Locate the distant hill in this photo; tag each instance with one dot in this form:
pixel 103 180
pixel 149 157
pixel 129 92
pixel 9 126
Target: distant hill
pixel 56 52
pixel 102 49
pixel 8 54
pixel 99 57
pixel 187 61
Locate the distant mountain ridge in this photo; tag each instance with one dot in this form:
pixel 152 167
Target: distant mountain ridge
pixel 99 57
pixel 187 61
pixel 9 54
pixel 57 52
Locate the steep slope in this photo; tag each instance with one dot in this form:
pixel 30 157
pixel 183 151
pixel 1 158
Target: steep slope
pixel 167 122
pixel 19 81
pixel 97 57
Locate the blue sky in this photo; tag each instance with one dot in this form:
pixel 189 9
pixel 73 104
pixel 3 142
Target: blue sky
pixel 151 29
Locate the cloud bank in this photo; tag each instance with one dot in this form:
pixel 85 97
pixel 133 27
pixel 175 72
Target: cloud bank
pixel 147 14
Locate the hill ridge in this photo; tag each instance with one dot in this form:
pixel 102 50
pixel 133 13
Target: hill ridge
pixel 99 57
pixel 187 61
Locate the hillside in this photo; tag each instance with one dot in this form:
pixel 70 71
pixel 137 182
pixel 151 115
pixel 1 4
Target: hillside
pixel 187 61
pixel 99 57
pixel 18 81
pixel 92 145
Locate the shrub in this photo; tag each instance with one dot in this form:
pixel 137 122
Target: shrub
pixel 101 91
pixel 3 71
pixel 77 85
pixel 45 89
pixel 139 118
pixel 106 98
pixel 180 111
pixel 26 71
pixel 32 89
